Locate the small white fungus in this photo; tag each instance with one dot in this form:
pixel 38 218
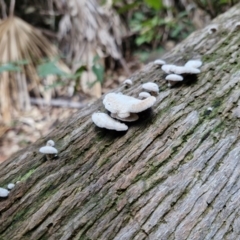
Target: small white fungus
pixel 185 70
pixel 159 62
pixel 10 186
pixel 50 143
pixel 151 87
pixel 210 109
pixel 128 82
pixel 180 69
pixel 174 77
pixel 103 120
pixel 167 68
pixel 193 63
pixel 143 95
pixel 3 192
pixel 48 150
pixel 124 105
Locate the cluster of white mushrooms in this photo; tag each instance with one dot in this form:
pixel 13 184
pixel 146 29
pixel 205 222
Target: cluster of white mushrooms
pixel 124 108
pixel 177 73
pixel 5 192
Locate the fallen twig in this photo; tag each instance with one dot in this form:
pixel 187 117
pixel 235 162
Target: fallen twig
pixel 57 103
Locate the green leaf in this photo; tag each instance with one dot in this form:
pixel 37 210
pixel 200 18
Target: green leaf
pixel 9 67
pixel 98 71
pixel 140 40
pixel 22 62
pixel 79 71
pixel 50 68
pixel 156 4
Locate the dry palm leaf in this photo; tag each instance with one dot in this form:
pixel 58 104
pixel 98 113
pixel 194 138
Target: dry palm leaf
pixel 87 30
pixel 20 41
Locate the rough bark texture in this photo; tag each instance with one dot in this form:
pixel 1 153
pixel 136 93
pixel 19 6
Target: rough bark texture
pixel 175 174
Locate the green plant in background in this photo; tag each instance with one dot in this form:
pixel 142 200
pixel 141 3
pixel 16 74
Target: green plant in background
pixel 50 67
pixel 98 69
pixel 151 24
pixel 13 66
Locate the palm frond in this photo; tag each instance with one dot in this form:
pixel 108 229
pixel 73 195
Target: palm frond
pixel 20 41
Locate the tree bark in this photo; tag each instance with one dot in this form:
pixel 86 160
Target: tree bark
pixel 174 174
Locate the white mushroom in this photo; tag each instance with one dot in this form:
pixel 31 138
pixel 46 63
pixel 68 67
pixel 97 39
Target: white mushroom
pixel 10 186
pixel 193 63
pixel 103 120
pixel 50 143
pixel 142 95
pixel 210 109
pixel 173 79
pixel 159 62
pixel 128 82
pixel 180 69
pixel 185 70
pixel 124 105
pixel 151 87
pixel 3 192
pixel 167 68
pixel 49 150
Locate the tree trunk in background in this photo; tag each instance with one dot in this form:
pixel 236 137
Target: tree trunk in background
pixel 175 174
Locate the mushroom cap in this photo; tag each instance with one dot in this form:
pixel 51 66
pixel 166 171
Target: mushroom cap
pixel 144 95
pixel 50 143
pixel 174 77
pixel 167 68
pixel 132 118
pixel 10 186
pixel 193 63
pixel 48 150
pixel 3 192
pixel 123 105
pixel 180 69
pixel 103 120
pixel 150 86
pixel 185 70
pixel 190 70
pixel 128 82
pixel 159 62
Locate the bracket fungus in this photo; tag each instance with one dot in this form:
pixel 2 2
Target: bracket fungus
pixel 128 82
pixel 103 120
pixel 150 87
pixel 193 63
pixel 142 95
pixel 49 150
pixel 124 105
pixel 159 62
pixel 3 192
pixel 10 186
pixel 173 79
pixel 180 69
